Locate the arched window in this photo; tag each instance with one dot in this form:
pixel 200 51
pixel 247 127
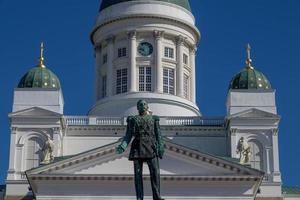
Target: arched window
pixel 256 159
pixel 33 152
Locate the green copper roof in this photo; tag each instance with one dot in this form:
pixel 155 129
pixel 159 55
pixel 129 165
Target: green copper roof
pixel 183 3
pixel 249 78
pixel 290 190
pixel 39 77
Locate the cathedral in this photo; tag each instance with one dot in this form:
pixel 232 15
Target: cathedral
pixel 145 49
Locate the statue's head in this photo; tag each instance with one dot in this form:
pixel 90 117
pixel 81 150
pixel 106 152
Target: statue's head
pixel 142 107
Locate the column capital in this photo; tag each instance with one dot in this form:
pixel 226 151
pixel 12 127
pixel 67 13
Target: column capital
pixel 268 148
pixel 13 130
pixel 233 131
pixel 180 40
pixel 132 34
pixel 193 49
pixel 275 131
pixel 110 39
pixel 98 47
pixel 158 34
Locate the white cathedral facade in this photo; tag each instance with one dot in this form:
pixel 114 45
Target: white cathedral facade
pixel 145 49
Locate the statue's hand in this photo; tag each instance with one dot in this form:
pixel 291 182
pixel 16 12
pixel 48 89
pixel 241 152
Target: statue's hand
pixel 120 149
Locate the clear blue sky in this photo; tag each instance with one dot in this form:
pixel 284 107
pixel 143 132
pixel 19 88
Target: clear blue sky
pixel 272 27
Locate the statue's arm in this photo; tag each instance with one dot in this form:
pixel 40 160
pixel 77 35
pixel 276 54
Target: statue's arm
pixel 160 143
pixel 128 136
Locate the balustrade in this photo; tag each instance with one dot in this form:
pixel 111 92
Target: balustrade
pixel 168 121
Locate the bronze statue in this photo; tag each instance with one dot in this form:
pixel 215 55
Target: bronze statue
pixel 147 146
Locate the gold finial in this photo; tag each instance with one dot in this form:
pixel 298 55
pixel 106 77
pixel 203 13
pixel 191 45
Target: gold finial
pixel 249 60
pixel 41 59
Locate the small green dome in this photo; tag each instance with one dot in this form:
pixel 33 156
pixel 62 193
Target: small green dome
pixel 250 78
pixel 183 3
pixel 39 77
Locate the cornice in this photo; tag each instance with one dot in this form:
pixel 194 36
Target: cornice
pixel 140 16
pixel 145 177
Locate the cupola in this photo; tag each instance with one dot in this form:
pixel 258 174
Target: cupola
pixel 250 78
pixel 250 89
pixel 40 76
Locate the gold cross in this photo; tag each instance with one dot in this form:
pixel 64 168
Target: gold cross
pixel 249 60
pixel 41 59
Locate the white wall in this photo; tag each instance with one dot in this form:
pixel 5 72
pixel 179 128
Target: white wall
pixel 241 100
pixel 49 99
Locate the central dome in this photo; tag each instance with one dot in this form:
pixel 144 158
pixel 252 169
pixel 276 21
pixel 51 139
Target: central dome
pixel 183 3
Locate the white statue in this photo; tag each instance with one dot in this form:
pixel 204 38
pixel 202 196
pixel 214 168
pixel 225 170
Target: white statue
pixel 48 149
pixel 244 150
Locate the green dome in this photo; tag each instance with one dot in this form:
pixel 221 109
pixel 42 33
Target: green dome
pixel 249 78
pixel 39 77
pixel 183 3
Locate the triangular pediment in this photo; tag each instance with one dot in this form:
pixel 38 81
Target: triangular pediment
pixel 35 112
pixel 178 161
pixel 254 113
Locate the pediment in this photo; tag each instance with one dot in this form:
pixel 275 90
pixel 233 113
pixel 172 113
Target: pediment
pixel 254 113
pixel 178 161
pixel 35 112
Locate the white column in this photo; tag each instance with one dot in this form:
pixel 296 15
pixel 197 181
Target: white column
pixel 132 69
pixel 268 160
pixel 276 173
pixel 158 86
pixel 193 74
pixel 179 68
pixel 110 67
